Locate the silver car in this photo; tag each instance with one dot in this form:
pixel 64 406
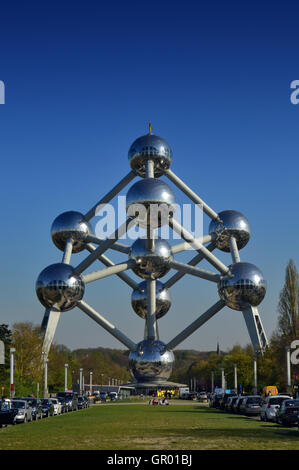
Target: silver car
pixel 251 405
pixel 24 414
pixel 270 406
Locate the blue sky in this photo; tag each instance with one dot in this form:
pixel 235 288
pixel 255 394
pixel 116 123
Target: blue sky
pixel 83 80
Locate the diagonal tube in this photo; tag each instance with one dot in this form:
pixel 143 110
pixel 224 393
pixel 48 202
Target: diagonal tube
pixel 107 262
pixel 67 251
pixel 48 327
pixel 196 324
pixel 191 194
pixel 104 246
pixel 114 191
pixel 234 250
pixel 186 246
pixel 94 315
pixel 101 273
pixel 194 261
pixel 122 247
pixel 198 246
pixel 187 269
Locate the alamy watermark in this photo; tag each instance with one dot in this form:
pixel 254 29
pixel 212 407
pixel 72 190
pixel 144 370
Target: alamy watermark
pixel 294 97
pixel 154 216
pixel 2 92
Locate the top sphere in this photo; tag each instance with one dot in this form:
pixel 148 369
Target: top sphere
pixel 70 224
pixel 233 224
pixel 150 147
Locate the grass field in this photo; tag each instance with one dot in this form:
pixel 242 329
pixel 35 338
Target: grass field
pixel 136 427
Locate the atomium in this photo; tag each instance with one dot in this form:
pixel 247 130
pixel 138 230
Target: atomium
pixel 151 263
pixel 244 286
pixel 150 147
pixel 139 300
pixel 234 224
pixel 72 225
pixel 59 285
pixel 151 201
pixel 151 361
pixel 241 285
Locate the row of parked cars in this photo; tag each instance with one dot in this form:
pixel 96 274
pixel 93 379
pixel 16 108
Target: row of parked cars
pixel 27 409
pixel 281 408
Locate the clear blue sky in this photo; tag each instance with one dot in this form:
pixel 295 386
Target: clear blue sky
pixel 83 80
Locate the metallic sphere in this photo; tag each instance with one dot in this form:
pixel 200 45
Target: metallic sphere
pixel 151 264
pixel 246 287
pixel 59 285
pixel 152 201
pixel 151 362
pixel 233 224
pixel 139 300
pixel 150 147
pixel 70 224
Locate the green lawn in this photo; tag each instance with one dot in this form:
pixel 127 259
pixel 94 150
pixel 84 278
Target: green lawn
pixel 134 427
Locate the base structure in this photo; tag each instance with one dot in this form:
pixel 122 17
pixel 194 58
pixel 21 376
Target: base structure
pixel 147 388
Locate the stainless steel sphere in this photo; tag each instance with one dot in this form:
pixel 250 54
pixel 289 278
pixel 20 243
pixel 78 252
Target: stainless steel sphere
pixel 151 362
pixel 151 264
pixel 150 147
pixel 246 287
pixel 152 201
pixel 70 224
pixel 233 224
pixel 139 300
pixel 59 285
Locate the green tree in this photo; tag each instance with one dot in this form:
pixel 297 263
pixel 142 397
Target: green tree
pixel 5 336
pixel 288 307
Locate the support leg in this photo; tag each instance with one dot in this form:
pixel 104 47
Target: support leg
pixel 255 329
pixel 48 327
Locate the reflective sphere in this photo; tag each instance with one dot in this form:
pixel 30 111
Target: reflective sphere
pixel 151 362
pixel 59 285
pixel 152 201
pixel 246 287
pixel 233 224
pixel 70 224
pixel 139 300
pixel 150 147
pixel 151 264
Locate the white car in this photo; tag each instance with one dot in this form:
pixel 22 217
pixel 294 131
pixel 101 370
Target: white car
pixel 270 406
pixel 57 406
pixel 24 414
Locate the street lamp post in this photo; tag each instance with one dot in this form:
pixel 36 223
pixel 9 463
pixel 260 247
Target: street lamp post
pixel 288 358
pixel 222 379
pixel 65 376
pixel 46 376
pixel 12 385
pixel 81 381
pixel 255 375
pixel 90 383
pixel 235 378
pixel 212 381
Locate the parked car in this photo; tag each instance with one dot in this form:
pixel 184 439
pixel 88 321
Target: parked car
pixel 64 407
pixel 57 406
pixel 215 402
pixel 251 405
pixel 270 406
pixel 224 400
pixel 70 399
pixel 48 407
pixel 36 405
pixel 229 404
pixel 287 415
pixel 81 402
pixel 24 411
pixel 238 403
pixel 113 396
pixel 7 413
pixel 103 395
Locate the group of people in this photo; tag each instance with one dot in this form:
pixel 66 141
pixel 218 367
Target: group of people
pixel 154 401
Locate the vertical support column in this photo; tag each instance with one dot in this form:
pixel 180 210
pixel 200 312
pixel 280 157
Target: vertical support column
pixel 151 309
pixel 90 383
pixel 255 329
pixel 46 394
pixel 234 250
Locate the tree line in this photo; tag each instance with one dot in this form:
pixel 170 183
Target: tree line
pixel 107 364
